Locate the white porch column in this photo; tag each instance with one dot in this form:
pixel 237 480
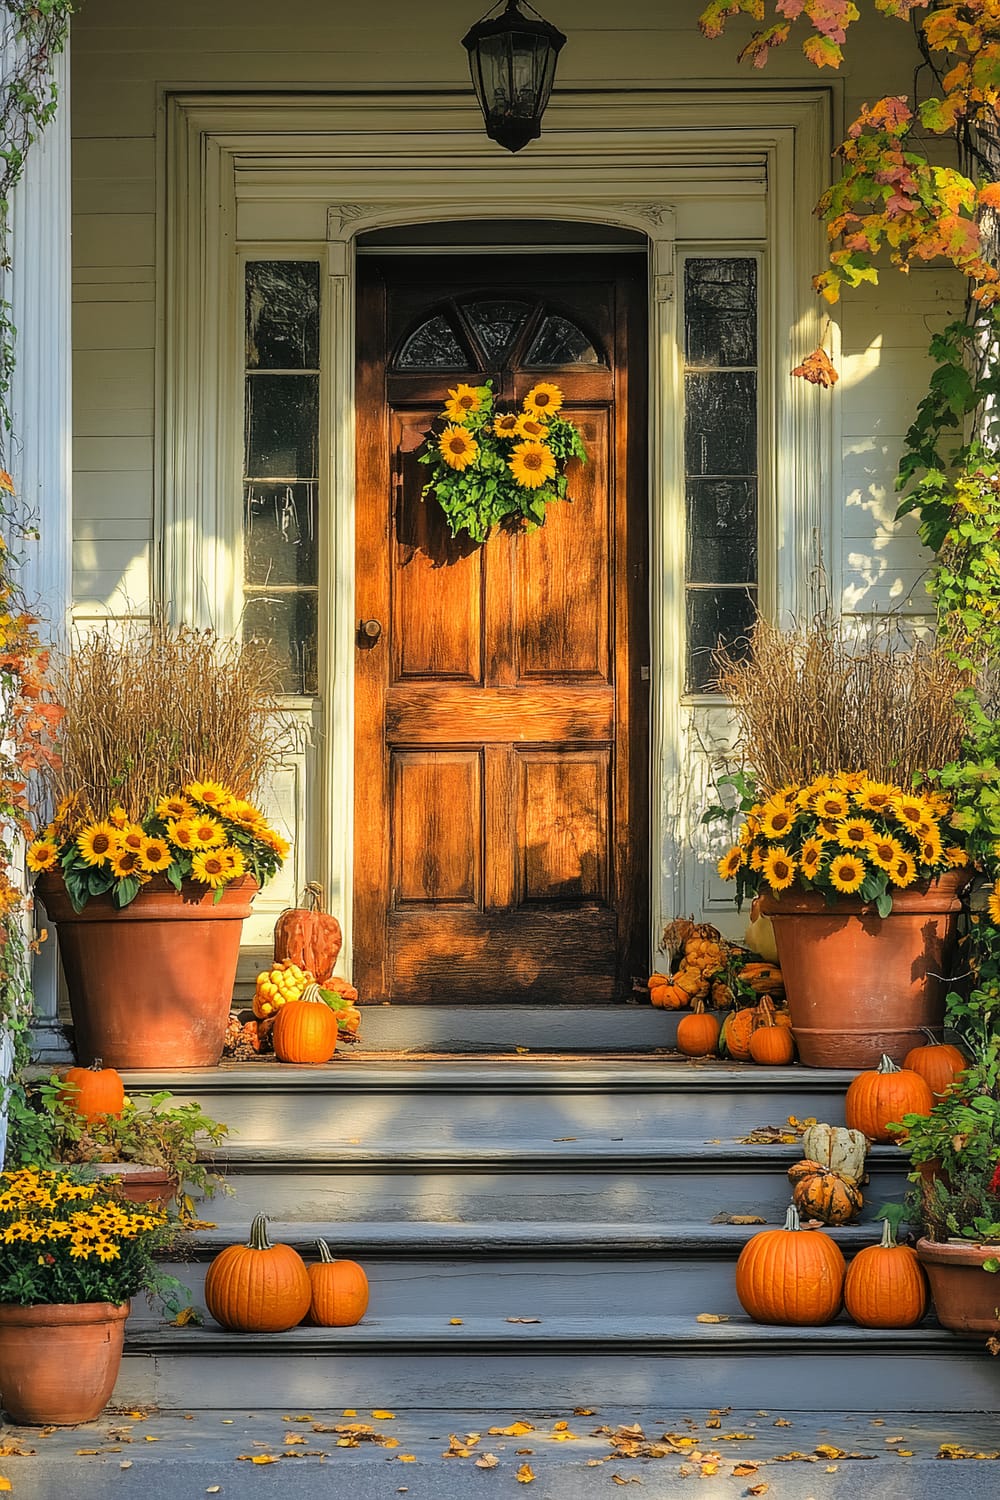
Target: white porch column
pixel 39 455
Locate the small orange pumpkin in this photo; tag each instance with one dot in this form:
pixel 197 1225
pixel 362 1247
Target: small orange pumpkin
pixel 668 996
pixel 339 1291
pixel 698 1033
pixel 886 1286
pixel 881 1096
pixel 94 1092
pixel 938 1063
pixel 258 1287
pixel 770 1043
pixel 306 1030
pixel 309 935
pixel 791 1275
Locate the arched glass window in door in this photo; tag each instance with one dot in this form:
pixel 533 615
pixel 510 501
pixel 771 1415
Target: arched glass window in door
pixel 477 334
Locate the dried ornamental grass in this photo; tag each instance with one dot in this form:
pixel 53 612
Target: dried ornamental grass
pixel 818 700
pixel 152 708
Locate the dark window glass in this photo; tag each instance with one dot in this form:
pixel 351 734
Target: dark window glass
pixel 496 324
pixel 560 342
pixel 282 315
pixel 434 346
pixel 720 458
pixel 280 466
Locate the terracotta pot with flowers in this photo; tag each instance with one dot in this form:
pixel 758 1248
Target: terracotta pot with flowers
pixel 74 1255
pixel 859 868
pixel 155 852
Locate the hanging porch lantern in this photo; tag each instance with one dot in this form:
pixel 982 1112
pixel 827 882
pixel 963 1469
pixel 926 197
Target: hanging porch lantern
pixel 512 59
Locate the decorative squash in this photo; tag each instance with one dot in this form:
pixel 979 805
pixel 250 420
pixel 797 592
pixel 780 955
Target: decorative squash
pixel 306 1030
pixel 339 1291
pixel 94 1092
pixel 258 1287
pixel 278 985
pixel 759 935
pixel 737 1030
pixel 770 1043
pixel 698 1033
pixel 886 1286
pixel 763 979
pixel 836 1148
pixel 309 936
pixel 821 1194
pixel 669 996
pixel 938 1063
pixel 880 1096
pixel 791 1275
pixel 341 997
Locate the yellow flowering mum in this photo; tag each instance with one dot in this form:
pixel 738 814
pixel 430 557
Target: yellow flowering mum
pixel 462 402
pixel 779 868
pixel 533 465
pixel 847 873
pixel 457 448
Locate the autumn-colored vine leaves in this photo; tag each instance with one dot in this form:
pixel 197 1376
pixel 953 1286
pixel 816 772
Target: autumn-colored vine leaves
pixel 891 199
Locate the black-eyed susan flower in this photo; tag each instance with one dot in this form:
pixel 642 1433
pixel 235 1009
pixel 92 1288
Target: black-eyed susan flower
pixel 210 867
pixel 155 855
pixel 532 465
pixel 462 402
pixel 847 873
pixel 731 862
pixel 779 868
pixel 544 398
pixel 458 448
pixel 42 854
pixel 96 843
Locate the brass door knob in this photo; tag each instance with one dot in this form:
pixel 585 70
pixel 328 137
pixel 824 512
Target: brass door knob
pixel 370 631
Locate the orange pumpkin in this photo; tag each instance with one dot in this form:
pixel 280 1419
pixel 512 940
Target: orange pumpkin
pixel 938 1063
pixel 258 1287
pixel 770 1043
pixel 824 1195
pixel 880 1096
pixel 669 996
pixel 309 935
pixel 737 1031
pixel 698 1033
pixel 339 1291
pixel 886 1286
pixel 306 1030
pixel 94 1092
pixel 791 1275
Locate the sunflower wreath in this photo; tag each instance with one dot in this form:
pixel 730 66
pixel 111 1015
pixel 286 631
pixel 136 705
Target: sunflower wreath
pixel 491 467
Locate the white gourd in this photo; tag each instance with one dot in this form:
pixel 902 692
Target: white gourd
pixel 834 1146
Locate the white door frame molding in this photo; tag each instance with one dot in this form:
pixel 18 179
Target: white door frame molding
pixel 635 159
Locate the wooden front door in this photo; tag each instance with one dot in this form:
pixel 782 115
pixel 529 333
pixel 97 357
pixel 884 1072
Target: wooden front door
pixel 501 831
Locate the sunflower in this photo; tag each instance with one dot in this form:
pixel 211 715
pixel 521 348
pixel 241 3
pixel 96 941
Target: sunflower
pixel 180 831
pixel 42 855
pixel 544 399
pixel 131 837
pixel 849 781
pixel 854 833
pixel 174 807
pixel 730 863
pixel 118 817
pixel 910 809
pixel 847 873
pixel 96 843
pixel 206 833
pixel 211 867
pixel 931 851
pixel 155 855
pixel 904 870
pixel 505 425
pixel 993 905
pixel 532 465
pixel 462 402
pixel 274 841
pixel 831 804
pixel 756 859
pixel 788 794
pixel 125 862
pixel 811 856
pixel 236 864
pixel 776 818
pixel 876 796
pixel 243 813
pixel 884 851
pixel 955 856
pixel 826 829
pixel 208 793
pixel 457 448
pixel 779 869
pixel 532 428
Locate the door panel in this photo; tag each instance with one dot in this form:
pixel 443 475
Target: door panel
pixel 501 829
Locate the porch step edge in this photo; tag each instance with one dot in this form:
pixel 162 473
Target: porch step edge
pixel 695 1155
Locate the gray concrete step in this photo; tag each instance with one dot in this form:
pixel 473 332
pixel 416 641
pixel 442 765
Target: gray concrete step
pixel 596 1180
pixel 366 1098
pixel 434 1364
pixel 518 1270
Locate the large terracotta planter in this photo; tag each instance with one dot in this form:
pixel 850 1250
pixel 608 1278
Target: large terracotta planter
pixel 59 1362
pixel 966 1298
pixel 859 984
pixel 150 984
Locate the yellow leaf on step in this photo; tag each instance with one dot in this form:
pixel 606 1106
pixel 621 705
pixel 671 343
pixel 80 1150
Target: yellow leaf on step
pixel 525 1474
pixel 516 1429
pixel 488 1461
pixel 349 1411
pixel 455 1322
pixel 5 1484
pixel 406 1458
pixel 384 1416
pixel 712 1318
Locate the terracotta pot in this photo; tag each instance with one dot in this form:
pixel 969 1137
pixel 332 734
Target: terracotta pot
pixel 859 984
pixel 150 984
pixel 966 1298
pixel 59 1362
pixel 139 1184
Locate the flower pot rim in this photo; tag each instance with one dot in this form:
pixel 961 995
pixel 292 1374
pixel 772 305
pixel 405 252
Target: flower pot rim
pixel 951 1248
pixel 63 1312
pixel 948 886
